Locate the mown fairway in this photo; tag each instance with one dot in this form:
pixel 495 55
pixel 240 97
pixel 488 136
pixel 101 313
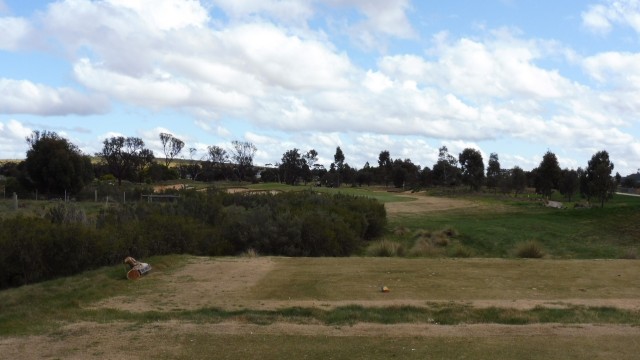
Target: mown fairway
pixel 324 307
pixel 485 307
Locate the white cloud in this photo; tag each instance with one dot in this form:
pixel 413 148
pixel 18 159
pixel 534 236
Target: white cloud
pixel 167 14
pixel 622 70
pixel 13 134
pixel 382 19
pixel 23 96
pixel 601 17
pixel 14 31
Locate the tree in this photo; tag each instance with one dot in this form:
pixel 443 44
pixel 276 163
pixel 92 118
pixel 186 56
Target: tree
pixel 214 167
pixel 445 172
pixel 338 160
pixel 404 173
pixel 55 166
pixel 292 166
pixel 385 165
pixel 518 180
pixel 472 168
pixel 171 147
pixel 310 158
pixel 569 183
pixel 601 183
pixel 548 174
pixel 242 154
pixel 193 168
pixel 125 156
pixel 493 171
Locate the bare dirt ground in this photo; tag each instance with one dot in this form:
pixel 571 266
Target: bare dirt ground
pixel 421 203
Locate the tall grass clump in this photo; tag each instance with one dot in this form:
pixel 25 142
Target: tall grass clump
pixel 529 250
pixel 385 248
pixel 432 243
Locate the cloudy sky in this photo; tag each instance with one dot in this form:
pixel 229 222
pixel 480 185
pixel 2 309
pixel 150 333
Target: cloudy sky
pixel 514 77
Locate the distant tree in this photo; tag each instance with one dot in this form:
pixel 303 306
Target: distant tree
pixel 405 173
pixel 472 168
pixel 338 161
pixel 518 180
pixel 601 183
pixel 548 174
pixel 124 156
pixel 445 171
pixel 365 175
pixel 493 171
pixel 426 177
pixel 171 146
pixel 54 165
pixel 242 155
pixel 292 166
pixel 569 183
pixel 217 155
pixel 310 159
pixel 385 165
pixel 584 184
pixel 214 165
pixel 192 169
pixel 143 161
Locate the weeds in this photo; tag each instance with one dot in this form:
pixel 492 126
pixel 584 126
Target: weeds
pixel 529 250
pixel 385 248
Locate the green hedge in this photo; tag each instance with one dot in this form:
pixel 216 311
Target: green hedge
pixel 291 224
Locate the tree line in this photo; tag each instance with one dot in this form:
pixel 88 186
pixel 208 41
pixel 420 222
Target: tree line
pixel 54 166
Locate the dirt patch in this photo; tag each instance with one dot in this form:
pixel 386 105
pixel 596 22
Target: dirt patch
pixel 159 188
pixel 420 203
pixel 203 282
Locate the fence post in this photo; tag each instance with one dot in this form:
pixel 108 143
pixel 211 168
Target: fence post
pixel 15 201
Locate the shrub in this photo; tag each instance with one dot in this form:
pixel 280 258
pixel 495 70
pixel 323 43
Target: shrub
pixel 530 250
pixel 385 248
pixel 440 239
pixel 424 248
pixel 250 253
pixel 461 251
pixel 630 254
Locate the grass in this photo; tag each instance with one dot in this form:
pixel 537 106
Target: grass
pixel 441 287
pixel 358 279
pixel 265 346
pixel 43 307
pixel 496 227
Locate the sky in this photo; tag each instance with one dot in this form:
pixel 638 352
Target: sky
pixel 513 77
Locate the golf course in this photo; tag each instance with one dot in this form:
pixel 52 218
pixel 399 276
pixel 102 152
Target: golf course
pixel 459 286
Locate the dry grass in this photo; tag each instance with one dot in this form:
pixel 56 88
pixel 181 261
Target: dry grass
pixel 325 283
pixel 529 250
pixel 385 248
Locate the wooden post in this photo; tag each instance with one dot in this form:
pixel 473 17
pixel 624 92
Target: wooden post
pixel 15 201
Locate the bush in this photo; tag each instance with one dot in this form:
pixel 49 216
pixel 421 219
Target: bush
pixel 461 251
pixel 530 250
pixel 385 248
pixel 65 242
pixel 424 248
